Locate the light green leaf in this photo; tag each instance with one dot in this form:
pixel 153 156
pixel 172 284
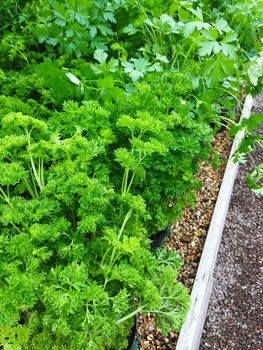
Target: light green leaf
pixel 190 27
pixel 104 29
pixel 109 16
pixel 222 25
pixel 229 50
pixel 130 29
pixel 206 48
pixel 254 72
pixel 162 58
pixel 112 65
pixel 93 31
pixel 211 34
pixel 229 37
pixel 73 78
pixel 198 12
pixel 100 55
pixel 137 69
pixel 140 63
pixel 156 67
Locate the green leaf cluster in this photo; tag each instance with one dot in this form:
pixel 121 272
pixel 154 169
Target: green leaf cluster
pixel 249 142
pixel 76 265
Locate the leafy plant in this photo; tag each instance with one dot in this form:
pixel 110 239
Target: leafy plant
pixel 57 202
pixel 74 27
pixel 248 144
pixel 164 146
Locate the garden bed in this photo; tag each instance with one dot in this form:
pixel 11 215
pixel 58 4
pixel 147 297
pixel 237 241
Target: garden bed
pixel 197 235
pixel 107 110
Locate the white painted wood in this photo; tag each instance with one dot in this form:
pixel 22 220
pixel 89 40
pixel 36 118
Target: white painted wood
pixel 190 335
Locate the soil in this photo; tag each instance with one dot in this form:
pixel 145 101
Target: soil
pixel 235 313
pixel 188 237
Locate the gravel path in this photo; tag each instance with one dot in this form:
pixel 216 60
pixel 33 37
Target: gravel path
pixel 235 314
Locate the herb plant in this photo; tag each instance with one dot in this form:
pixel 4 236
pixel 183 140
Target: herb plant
pixel 77 265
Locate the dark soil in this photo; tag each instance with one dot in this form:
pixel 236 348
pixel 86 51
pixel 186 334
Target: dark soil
pixel 235 314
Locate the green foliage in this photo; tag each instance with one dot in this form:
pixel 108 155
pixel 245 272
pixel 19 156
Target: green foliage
pixel 245 18
pixel 58 212
pixel 247 145
pixel 106 110
pixel 57 82
pixel 75 26
pixel 161 156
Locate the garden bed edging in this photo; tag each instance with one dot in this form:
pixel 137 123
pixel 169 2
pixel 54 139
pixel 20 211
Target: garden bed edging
pixel 190 335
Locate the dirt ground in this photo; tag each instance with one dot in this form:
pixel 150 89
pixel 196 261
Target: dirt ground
pixel 235 314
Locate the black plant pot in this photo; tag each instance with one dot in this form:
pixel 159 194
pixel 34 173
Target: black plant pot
pixel 133 338
pixel 158 238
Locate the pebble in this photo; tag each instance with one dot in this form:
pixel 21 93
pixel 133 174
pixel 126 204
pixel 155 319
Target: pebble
pixel 145 344
pixel 207 345
pixel 185 238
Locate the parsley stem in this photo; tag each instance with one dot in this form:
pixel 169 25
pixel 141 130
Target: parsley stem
pixel 187 54
pixel 5 196
pixel 127 216
pixel 135 312
pixel 14 225
pixel 131 181
pixel 36 174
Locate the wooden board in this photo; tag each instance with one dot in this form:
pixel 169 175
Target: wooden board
pixel 190 335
